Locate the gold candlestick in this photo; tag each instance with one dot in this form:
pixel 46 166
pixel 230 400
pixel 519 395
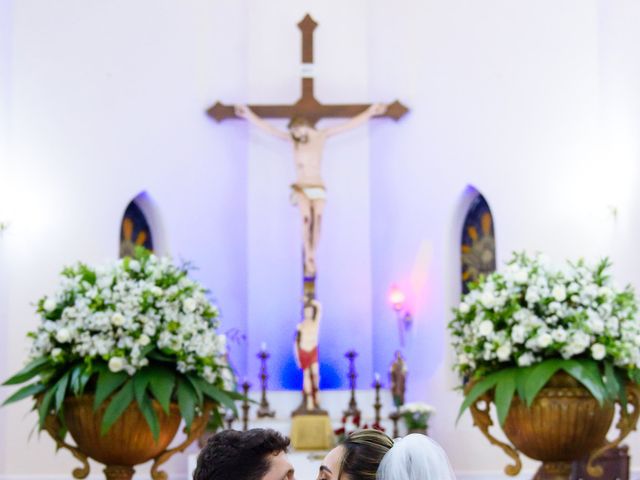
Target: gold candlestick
pixel 377 405
pixel 264 410
pixel 245 405
pixel 352 410
pixel 229 418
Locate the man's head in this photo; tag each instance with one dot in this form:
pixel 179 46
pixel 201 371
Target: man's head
pixel 309 310
pixel 299 128
pixel 257 454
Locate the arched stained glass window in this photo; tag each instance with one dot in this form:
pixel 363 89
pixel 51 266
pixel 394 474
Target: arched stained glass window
pixel 135 230
pixel 478 245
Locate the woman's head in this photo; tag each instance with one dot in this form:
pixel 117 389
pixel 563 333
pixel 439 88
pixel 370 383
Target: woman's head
pixel 357 457
pixel 415 457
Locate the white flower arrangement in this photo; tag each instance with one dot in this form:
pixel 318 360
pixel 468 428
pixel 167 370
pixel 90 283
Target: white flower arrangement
pixel 137 322
pixel 122 311
pixel 530 314
pixel 416 415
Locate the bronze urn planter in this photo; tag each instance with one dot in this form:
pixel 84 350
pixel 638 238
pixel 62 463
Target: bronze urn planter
pixel 124 351
pixel 129 442
pixel 564 423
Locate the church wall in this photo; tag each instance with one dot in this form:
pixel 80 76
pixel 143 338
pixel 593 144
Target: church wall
pixel 505 97
pixel 108 100
pixel 5 79
pixel 620 147
pixel 620 124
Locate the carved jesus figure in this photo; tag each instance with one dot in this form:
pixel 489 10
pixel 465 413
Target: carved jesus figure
pixel 306 353
pixel 308 192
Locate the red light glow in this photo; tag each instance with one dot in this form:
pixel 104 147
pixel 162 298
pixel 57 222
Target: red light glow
pixel 396 298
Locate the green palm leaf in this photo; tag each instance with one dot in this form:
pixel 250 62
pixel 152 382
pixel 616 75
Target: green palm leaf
pixel 108 382
pixel 26 391
pixel 505 389
pixel 161 384
pixel 538 378
pixel 117 406
pixel 146 408
pixel 186 401
pixel 477 391
pixel 29 371
pixel 588 374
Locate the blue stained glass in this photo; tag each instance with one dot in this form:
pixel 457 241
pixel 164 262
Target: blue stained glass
pixel 134 231
pixel 478 245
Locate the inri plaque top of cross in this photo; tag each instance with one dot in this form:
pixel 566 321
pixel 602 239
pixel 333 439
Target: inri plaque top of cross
pixel 307 106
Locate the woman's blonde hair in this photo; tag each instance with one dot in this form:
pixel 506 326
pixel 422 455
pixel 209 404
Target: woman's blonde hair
pixel 363 452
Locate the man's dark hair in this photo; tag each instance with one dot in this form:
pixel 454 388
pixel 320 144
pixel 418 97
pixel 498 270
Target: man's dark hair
pixel 239 455
pixel 312 306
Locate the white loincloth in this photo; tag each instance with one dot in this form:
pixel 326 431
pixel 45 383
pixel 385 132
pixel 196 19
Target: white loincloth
pixel 314 193
pixel 311 192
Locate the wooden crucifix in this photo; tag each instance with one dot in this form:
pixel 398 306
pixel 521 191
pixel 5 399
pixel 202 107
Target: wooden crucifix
pixel 307 106
pixel 308 191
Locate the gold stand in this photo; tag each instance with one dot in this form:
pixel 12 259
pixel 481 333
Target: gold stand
pixel 312 432
pixel 309 288
pixel 311 429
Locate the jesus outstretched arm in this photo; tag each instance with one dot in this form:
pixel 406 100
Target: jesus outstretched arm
pixel 245 112
pixel 360 119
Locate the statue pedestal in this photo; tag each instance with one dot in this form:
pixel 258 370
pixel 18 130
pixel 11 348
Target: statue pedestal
pixel 312 432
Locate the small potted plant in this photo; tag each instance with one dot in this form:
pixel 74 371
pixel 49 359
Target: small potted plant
pixel 416 416
pixel 123 347
pixel 554 349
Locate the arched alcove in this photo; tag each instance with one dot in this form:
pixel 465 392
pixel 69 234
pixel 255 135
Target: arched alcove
pixel 477 240
pixel 141 226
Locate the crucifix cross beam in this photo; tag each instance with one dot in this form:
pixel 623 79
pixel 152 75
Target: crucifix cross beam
pixel 307 106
